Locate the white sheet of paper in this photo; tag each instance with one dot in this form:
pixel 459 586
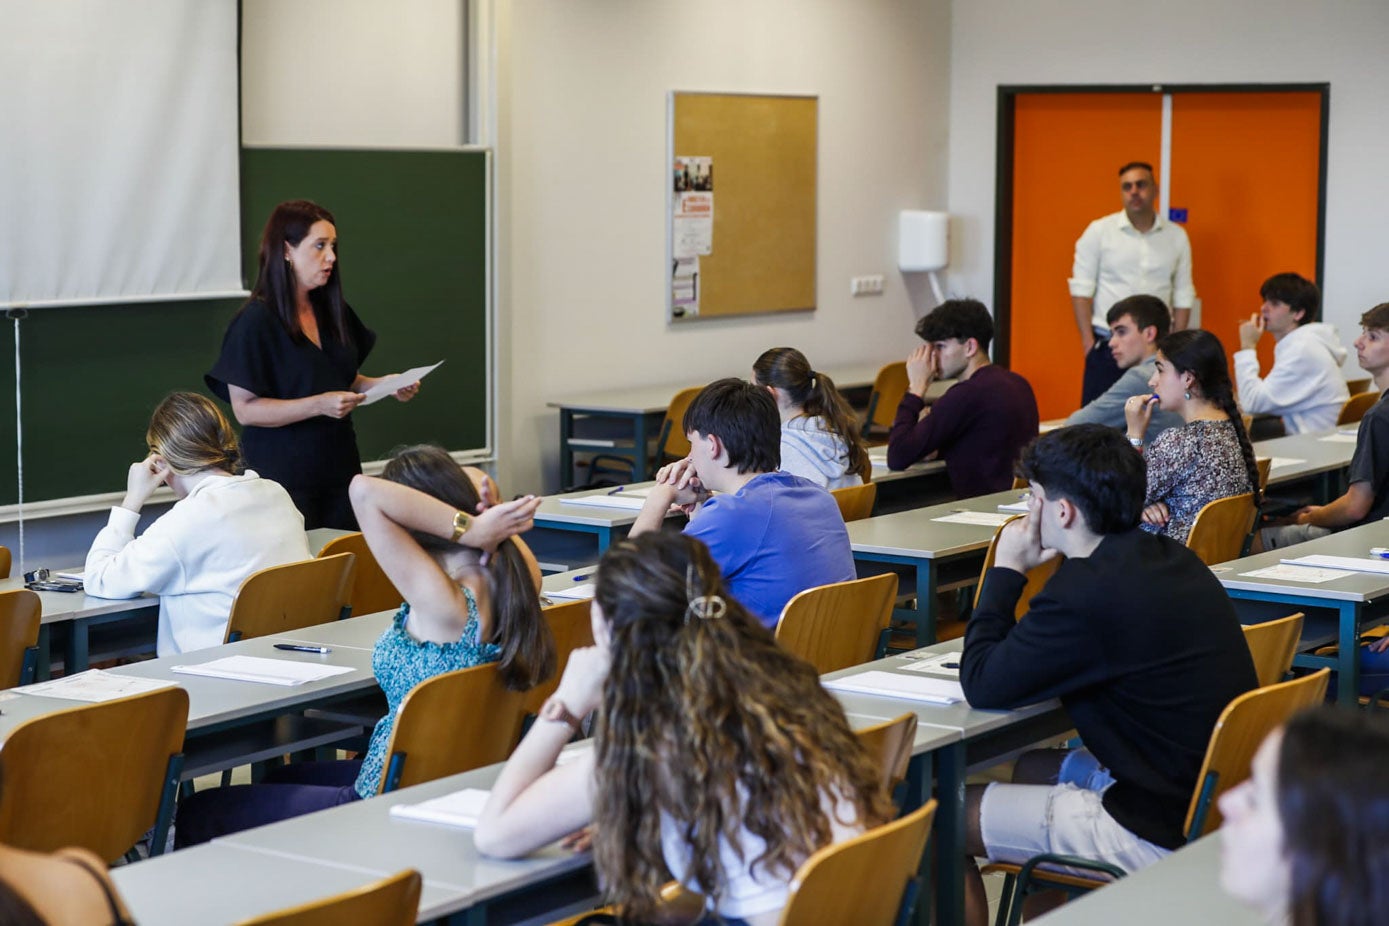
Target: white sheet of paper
pixel 978 518
pixel 460 808
pixel 1344 563
pixel 260 669
pixel 95 685
pixel 945 663
pixel 1276 462
pixel 573 593
pixel 1338 438
pixel 1295 573
pixel 391 384
pixel 630 500
pixel 892 685
pixel 1014 507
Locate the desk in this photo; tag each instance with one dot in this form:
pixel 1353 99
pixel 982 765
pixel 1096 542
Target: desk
pixel 931 548
pixel 1357 599
pixel 79 611
pixel 1182 888
pixel 555 517
pixel 1323 460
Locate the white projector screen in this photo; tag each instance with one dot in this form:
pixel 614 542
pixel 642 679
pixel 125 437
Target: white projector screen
pixel 118 167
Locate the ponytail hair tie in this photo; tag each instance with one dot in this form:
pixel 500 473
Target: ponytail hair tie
pixel 703 607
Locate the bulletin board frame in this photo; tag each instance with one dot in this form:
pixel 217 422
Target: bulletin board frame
pixel 741 183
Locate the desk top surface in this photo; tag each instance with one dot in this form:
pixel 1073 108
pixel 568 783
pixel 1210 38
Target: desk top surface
pixel 1351 586
pixel 1182 888
pixel 917 533
pixel 1314 454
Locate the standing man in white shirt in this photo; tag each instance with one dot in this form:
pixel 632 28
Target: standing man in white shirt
pixel 1129 252
pixel 1306 385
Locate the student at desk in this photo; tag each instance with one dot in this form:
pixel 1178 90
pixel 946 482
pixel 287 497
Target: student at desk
pixel 1135 636
pixel 718 756
pixel 819 436
pixel 227 523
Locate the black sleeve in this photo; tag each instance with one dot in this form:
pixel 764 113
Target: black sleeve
pixel 248 354
pixel 362 337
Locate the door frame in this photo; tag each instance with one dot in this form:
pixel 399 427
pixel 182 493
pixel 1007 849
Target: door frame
pixel 1003 177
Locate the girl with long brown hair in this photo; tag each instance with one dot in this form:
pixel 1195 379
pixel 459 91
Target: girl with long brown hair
pixel 718 757
pixel 819 434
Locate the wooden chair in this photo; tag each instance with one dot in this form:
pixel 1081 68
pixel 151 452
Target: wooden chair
pixel 372 589
pixel 5 562
pixel 1359 385
pixel 1221 528
pixel 888 388
pixel 20 615
pixel 452 723
pixel 1264 465
pixel 1239 730
pixel 292 596
pixel 890 743
pixel 1036 577
pixel 1272 644
pixel 856 502
pixel 671 444
pixel 393 901
pixel 839 625
pixel 881 865
pixel 1355 408
pixel 570 624
pixel 99 776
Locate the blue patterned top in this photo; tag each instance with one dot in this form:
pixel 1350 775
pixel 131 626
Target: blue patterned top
pixel 400 662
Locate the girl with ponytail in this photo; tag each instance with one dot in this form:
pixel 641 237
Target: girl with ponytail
pixel 1210 457
pixel 819 435
pixel 718 758
pixel 226 524
pixel 470 600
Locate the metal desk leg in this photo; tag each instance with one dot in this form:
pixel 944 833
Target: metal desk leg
pixel 925 602
pixel 566 453
pixel 605 539
pixel 1348 636
pixel 639 462
pixel 76 657
pixel 45 666
pixel 919 780
pixel 950 837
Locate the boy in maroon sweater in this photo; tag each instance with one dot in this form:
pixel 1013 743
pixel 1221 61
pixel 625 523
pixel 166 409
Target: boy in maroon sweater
pixel 982 423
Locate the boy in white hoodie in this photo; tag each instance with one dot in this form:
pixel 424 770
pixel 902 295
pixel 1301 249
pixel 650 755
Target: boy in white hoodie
pixel 1305 386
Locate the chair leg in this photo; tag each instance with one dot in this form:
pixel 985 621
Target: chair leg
pixel 909 898
pixel 168 798
pixel 1005 900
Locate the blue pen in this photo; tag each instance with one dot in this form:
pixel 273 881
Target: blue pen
pixel 618 489
pixel 586 575
pixel 1380 552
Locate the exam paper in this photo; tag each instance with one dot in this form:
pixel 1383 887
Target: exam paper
pixel 631 500
pixel 1340 437
pixel 1343 563
pixel 95 685
pixel 260 669
pixel 391 384
pixel 460 808
pixel 1277 462
pixel 978 518
pixel 892 685
pixel 1295 573
pixel 573 593
pixel 945 663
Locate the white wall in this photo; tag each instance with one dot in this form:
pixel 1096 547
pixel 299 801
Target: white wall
pixel 1183 41
pixel 582 147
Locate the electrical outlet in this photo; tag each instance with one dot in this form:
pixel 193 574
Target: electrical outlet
pixel 866 286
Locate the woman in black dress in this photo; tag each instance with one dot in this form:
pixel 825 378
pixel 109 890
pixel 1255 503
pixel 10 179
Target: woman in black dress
pixel 290 366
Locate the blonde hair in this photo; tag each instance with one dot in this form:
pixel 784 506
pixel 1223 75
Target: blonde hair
pixel 192 435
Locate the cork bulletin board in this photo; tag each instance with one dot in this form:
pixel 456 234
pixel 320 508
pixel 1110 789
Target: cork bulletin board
pixel 741 204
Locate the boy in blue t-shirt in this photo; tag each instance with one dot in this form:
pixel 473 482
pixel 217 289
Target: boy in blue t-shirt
pixel 773 534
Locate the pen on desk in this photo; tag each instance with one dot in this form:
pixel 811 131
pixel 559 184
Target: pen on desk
pixel 615 491
pixel 1380 552
pixel 299 648
pixel 586 575
pixel 950 665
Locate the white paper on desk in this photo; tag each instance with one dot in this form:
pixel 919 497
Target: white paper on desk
pixel 1343 563
pixel 878 459
pixel 1019 507
pixel 892 685
pixel 945 663
pixel 260 669
pixel 391 384
pixel 1340 437
pixel 95 685
pixel 978 518
pixel 1276 462
pixel 633 500
pixel 461 808
pixel 573 593
pixel 1284 571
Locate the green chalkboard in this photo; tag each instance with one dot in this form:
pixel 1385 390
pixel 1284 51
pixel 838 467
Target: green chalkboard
pixel 412 227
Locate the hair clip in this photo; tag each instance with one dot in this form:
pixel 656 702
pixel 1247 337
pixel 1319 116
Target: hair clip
pixel 705 607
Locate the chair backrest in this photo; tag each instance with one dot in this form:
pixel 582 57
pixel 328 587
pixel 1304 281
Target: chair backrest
pixel 572 628
pixel 1036 577
pixel 5 562
pixel 1264 465
pixel 1272 644
pixel 880 865
pixel 837 626
pixel 1241 728
pixel 451 723
pixel 890 744
pixel 856 502
pixel 291 597
pixel 1355 407
pixel 97 776
pixel 392 901
pixel 20 615
pixel 673 444
pixel 1221 527
pixel 888 388
pixel 372 589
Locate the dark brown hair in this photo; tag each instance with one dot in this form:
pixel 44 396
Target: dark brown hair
pixel 275 284
pixel 528 647
pixel 816 396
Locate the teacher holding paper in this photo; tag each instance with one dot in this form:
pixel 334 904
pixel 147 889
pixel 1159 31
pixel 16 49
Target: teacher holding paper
pixel 289 367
